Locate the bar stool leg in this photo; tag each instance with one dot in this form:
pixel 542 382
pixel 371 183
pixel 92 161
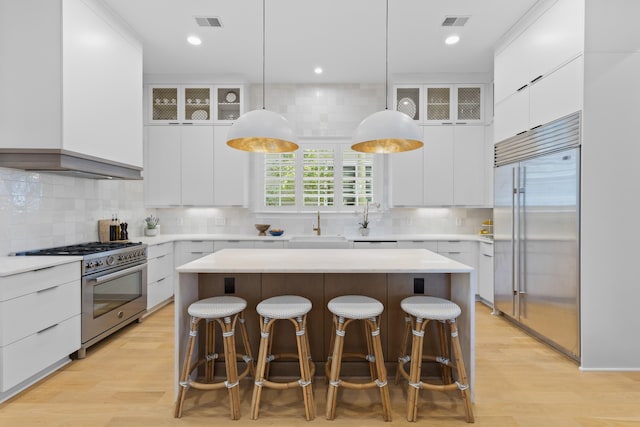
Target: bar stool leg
pixel 380 368
pixel 210 342
pixel 183 384
pixel 445 354
pixel 232 381
pixel 245 343
pixel 265 328
pixel 418 329
pixel 463 382
pixel 336 362
pixel 403 345
pixel 305 371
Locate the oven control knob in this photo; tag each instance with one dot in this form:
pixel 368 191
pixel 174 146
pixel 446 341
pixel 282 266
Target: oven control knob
pixel 88 265
pixel 100 262
pixel 91 264
pixel 110 260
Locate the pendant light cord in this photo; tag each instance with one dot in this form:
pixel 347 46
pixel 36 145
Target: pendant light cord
pixel 386 62
pixel 263 52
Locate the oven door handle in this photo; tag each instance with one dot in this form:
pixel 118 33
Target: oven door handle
pixel 119 273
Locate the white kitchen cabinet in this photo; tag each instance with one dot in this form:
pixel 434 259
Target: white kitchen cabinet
pixel 448 171
pixel 160 275
pixel 485 272
pixel 230 172
pixel 375 244
pixel 463 251
pixel 431 245
pixel 162 170
pixel 73 82
pixel 47 304
pixel 232 244
pixel 438 166
pixel 555 95
pixel 197 165
pixel 179 165
pixel 229 103
pixel 189 250
pixel 556 36
pixel 175 104
pixel 469 166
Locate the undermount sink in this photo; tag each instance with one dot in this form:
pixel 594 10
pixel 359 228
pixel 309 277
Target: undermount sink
pixel 318 242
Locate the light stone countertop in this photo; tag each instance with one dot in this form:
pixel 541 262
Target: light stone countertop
pixel 324 261
pixel 165 238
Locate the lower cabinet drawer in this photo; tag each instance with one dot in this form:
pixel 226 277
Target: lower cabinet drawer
pixel 30 355
pixel 159 267
pixel 159 291
pixel 28 314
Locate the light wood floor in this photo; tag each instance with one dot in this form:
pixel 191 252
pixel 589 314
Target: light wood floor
pixel 127 380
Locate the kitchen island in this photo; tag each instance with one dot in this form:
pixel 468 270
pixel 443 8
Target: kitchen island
pixel 388 275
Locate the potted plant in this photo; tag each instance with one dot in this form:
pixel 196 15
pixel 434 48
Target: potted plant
pixel 364 224
pixel 151 226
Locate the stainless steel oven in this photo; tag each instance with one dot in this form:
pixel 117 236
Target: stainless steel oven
pixel 111 301
pixel 114 286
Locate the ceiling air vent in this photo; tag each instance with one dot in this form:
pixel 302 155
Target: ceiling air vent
pixel 208 21
pixel 455 21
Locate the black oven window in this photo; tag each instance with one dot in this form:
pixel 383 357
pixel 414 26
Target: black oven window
pixel 110 295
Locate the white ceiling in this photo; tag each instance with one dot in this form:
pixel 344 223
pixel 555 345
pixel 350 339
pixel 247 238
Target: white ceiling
pixel 345 37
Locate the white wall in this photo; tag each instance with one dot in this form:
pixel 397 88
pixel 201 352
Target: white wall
pixel 610 288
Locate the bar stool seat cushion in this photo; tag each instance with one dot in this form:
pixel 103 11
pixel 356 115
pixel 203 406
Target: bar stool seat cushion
pixel 430 308
pixel 355 307
pixel 217 307
pixel 284 307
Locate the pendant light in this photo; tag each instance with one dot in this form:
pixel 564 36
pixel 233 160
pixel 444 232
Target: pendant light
pixel 387 131
pixel 262 131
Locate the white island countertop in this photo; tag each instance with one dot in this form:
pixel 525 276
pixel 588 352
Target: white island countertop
pixel 324 261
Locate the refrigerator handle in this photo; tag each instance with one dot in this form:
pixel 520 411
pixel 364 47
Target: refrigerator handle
pixel 514 237
pixel 522 283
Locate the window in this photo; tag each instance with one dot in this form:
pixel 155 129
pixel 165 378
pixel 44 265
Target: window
pixel 325 175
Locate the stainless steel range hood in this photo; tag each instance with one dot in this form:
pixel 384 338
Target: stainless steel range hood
pixel 67 163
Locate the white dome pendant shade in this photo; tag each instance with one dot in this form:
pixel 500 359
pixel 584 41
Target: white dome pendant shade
pixel 387 131
pixel 262 131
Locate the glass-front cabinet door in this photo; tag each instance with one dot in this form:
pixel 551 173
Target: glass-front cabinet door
pixel 438 102
pixel 468 103
pixel 175 104
pixel 228 104
pixel 408 99
pixel 196 106
pixel 164 104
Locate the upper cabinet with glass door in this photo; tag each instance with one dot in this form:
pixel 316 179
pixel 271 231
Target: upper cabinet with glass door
pixel 177 104
pixel 453 104
pixel 229 103
pixel 408 99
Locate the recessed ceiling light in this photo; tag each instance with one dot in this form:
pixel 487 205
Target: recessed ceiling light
pixel 452 39
pixel 317 70
pixel 194 40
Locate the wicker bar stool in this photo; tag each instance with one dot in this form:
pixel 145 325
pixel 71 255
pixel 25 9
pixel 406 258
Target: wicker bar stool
pixel 225 311
pixel 345 310
pixel 293 308
pixel 420 310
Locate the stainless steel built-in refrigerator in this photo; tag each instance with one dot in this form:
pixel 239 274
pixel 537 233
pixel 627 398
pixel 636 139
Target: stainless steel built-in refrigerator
pixel 536 232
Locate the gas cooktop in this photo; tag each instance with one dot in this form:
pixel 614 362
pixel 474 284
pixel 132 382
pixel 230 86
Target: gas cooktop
pixel 82 248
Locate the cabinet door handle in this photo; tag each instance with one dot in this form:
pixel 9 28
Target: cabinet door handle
pixel 174 123
pixel 160 279
pixel 43 268
pixel 453 241
pixel 46 329
pixel 520 133
pixel 233 241
pixel 536 79
pixel 161 256
pixel 461 123
pixel 488 256
pixel 454 253
pixel 187 123
pixel 447 123
pixel 47 289
pixel 522 87
pixel 535 127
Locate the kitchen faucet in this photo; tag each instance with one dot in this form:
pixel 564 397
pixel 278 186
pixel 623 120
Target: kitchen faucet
pixel 317 229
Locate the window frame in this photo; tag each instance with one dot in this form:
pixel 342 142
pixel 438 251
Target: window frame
pixel 338 145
